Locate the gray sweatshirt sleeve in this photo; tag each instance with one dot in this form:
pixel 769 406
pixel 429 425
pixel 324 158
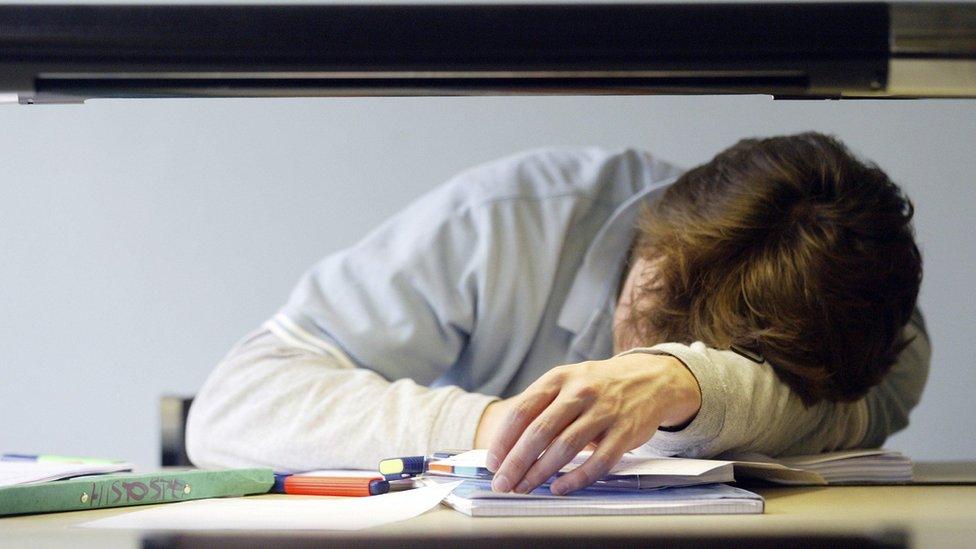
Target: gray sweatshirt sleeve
pixel 275 404
pixel 889 403
pixel 746 408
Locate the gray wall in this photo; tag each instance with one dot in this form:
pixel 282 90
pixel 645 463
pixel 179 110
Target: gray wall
pixel 141 238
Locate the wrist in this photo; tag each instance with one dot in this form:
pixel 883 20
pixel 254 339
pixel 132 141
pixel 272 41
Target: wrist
pixel 669 383
pixel 686 395
pixel 484 430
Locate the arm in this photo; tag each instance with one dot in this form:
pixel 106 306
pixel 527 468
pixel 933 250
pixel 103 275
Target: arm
pixel 746 408
pixel 733 404
pixel 271 403
pixel 337 378
pixel 889 403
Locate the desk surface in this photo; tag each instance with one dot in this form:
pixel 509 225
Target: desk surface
pixel 934 516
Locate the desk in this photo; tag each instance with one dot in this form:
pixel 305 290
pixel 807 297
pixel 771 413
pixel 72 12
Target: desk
pixel 934 516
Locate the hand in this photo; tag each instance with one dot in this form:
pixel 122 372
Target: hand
pixel 493 419
pixel 616 404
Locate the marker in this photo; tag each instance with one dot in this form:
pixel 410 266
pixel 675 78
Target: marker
pixel 404 467
pixel 286 483
pixel 412 466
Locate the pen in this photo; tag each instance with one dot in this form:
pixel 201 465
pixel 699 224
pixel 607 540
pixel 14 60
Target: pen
pixel 411 466
pixel 286 483
pixel 48 458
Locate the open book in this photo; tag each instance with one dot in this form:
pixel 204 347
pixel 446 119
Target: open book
pixel 874 466
pixel 632 473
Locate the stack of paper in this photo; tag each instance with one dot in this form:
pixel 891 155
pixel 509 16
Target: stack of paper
pixel 633 472
pixel 875 466
pixel 635 486
pixel 475 498
pixel 14 473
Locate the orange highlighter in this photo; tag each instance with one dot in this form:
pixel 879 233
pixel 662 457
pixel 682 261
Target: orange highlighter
pixel 286 483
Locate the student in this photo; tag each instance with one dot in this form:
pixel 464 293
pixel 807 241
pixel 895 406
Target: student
pixel 762 302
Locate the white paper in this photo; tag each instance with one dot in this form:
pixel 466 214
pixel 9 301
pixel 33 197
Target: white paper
pixel 353 473
pixel 29 472
pixel 282 513
pixel 630 464
pixel 814 459
pixel 639 465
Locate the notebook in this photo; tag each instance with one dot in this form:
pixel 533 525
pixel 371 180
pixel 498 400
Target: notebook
pixel 475 498
pixel 633 472
pixel 126 489
pixel 873 466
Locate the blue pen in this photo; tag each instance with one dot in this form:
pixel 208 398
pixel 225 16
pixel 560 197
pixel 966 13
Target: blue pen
pixel 48 458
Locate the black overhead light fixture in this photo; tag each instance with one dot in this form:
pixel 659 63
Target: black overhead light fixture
pixel 70 53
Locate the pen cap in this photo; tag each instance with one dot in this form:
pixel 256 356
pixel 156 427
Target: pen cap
pixel 279 483
pixel 402 467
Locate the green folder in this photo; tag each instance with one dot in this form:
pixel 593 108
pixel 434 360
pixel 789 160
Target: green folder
pixel 124 489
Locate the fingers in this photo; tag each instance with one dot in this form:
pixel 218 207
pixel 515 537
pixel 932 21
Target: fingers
pixel 522 413
pixel 533 440
pixel 563 449
pixel 606 455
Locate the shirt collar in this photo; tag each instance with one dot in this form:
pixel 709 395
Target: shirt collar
pixel 601 269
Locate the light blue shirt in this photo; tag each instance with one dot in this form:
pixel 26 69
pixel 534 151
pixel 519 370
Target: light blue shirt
pixel 509 269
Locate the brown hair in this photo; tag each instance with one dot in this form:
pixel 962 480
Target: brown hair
pixel 789 247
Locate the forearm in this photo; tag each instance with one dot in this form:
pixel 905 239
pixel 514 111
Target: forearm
pixel 890 402
pixel 746 408
pixel 271 404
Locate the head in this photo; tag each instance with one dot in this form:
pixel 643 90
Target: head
pixel 788 247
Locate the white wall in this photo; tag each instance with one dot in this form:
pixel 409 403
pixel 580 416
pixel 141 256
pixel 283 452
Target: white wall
pixel 141 238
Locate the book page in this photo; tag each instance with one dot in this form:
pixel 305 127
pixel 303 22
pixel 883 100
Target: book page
pixel 13 473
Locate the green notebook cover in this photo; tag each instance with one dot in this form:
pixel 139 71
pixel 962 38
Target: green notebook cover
pixel 124 489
